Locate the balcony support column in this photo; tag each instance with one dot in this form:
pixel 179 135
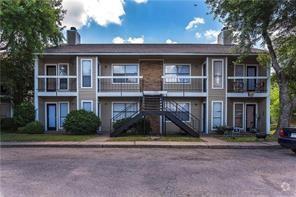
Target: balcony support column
pixel 36 103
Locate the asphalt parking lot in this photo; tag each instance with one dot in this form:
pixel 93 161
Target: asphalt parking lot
pixel 147 172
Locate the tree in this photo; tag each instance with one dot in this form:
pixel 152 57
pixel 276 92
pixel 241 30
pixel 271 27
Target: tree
pixel 271 23
pixel 26 27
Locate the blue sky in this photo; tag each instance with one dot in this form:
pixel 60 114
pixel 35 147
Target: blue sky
pixel 138 21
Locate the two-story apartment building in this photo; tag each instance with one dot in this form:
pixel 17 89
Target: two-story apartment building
pixel 179 85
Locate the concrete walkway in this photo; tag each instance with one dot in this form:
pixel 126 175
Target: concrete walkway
pixel 101 142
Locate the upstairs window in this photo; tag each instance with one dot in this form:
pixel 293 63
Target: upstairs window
pixel 86 65
pixel 125 70
pixel 217 74
pixel 174 73
pixel 63 71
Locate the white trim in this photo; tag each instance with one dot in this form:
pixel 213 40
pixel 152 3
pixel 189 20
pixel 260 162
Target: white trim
pixel 123 102
pixel 36 99
pixel 81 73
pixel 246 94
pixel 77 83
pixel 256 115
pixel 96 84
pixel 87 101
pixel 226 89
pixel 59 107
pixel 256 77
pixel 207 98
pixel 119 77
pixel 186 94
pixel 212 113
pixel 268 101
pixel 56 77
pixel 244 115
pixel 185 77
pixel 45 110
pixel 223 74
pixel 126 77
pixel 57 93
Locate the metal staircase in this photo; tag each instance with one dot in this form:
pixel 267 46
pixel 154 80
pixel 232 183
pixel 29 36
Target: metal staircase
pixel 160 106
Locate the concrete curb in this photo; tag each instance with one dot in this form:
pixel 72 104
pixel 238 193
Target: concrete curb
pixel 130 145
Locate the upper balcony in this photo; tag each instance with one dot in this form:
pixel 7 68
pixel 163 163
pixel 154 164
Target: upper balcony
pixel 57 85
pixel 136 85
pixel 246 86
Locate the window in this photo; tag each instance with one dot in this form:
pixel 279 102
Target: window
pixel 64 110
pixel 124 110
pixel 123 71
pixel 181 110
pixel 63 71
pixel 217 76
pixel 217 114
pixel 238 115
pixel 175 71
pixel 51 82
pixel 86 73
pixel 87 105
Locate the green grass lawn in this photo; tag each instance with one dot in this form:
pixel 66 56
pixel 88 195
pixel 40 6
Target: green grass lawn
pixel 272 138
pixel 175 138
pixel 19 137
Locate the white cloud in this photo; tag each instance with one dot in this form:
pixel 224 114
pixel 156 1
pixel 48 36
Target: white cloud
pixel 194 23
pixel 211 34
pixel 135 40
pixel 118 40
pixel 141 1
pixel 132 40
pixel 169 41
pixel 197 35
pixel 103 12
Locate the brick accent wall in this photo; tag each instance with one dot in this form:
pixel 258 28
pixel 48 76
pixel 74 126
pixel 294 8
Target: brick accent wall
pixel 151 72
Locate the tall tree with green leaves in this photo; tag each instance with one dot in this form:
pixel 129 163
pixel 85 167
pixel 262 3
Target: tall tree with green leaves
pixel 273 24
pixel 26 27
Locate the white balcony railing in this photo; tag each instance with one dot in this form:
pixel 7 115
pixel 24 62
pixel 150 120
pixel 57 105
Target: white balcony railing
pixel 184 83
pixel 53 83
pixel 119 83
pixel 240 84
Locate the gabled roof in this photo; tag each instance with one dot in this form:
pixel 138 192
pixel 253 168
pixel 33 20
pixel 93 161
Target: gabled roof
pixel 207 49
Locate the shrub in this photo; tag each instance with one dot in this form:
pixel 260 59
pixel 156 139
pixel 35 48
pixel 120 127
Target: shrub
pixel 33 128
pixel 137 128
pixel 221 130
pixel 8 125
pixel 81 122
pixel 24 114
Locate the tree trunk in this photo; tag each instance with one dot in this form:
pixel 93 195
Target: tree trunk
pixel 285 102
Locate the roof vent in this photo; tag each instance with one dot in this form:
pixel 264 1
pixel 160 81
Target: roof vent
pixel 225 37
pixel 73 37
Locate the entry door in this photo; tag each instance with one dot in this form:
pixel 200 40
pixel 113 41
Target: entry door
pixel 51 83
pixel 250 116
pixel 51 117
pixel 251 72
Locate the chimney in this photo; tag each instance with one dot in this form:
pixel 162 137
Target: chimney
pixel 225 37
pixel 73 37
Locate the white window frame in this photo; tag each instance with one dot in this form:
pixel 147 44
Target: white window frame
pixel 59 108
pixel 125 64
pixel 212 113
pixel 123 102
pixel 189 110
pixel 87 101
pixel 81 72
pixel 66 76
pixel 176 64
pixel 222 85
pixel 244 115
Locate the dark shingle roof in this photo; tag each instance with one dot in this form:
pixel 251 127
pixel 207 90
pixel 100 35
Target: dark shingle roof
pixel 145 48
